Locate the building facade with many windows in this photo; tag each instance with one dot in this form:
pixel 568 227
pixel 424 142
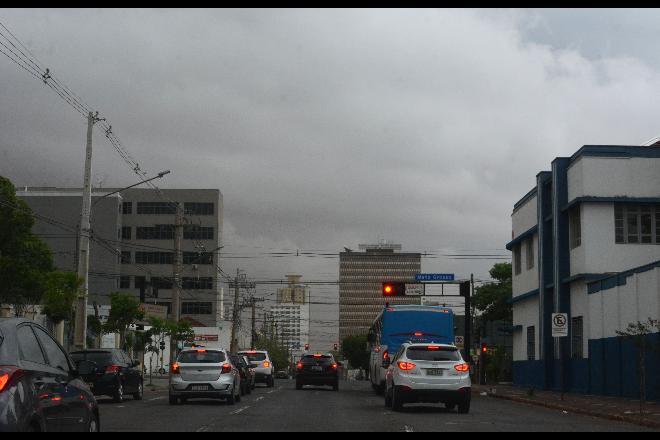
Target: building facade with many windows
pixel 291 314
pixel 586 242
pixel 361 274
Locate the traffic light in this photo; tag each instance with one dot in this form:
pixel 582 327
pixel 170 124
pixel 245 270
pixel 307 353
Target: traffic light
pixel 484 348
pixel 162 345
pixel 306 347
pixel 394 289
pixel 464 289
pixel 335 346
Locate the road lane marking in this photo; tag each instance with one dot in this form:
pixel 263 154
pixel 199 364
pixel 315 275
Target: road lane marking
pixel 259 398
pixel 408 428
pixel 157 398
pixel 204 429
pixel 271 392
pixel 238 411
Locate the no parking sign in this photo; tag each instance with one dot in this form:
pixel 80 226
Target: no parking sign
pixel 559 325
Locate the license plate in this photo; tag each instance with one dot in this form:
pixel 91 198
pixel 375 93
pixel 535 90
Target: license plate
pixel 199 388
pixel 317 368
pixel 435 372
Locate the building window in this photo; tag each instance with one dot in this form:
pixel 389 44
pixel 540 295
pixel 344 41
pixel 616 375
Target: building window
pixel 198 208
pixel 195 232
pixel 637 224
pixel 158 232
pixel 529 246
pixel 126 257
pixel 531 344
pixel 156 208
pixel 517 259
pixel 154 258
pixel 127 208
pixel 196 308
pixel 577 338
pixel 204 258
pixel 198 283
pixel 124 282
pixel 126 232
pixel 574 227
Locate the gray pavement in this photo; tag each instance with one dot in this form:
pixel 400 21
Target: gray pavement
pixel 354 408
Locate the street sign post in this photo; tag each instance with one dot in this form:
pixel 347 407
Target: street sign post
pixel 559 325
pixel 434 277
pixel 414 289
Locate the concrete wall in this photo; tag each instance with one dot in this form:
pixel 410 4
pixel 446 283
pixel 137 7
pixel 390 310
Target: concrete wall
pixel 599 253
pixel 526 314
pixel 612 177
pixel 528 279
pixel 525 217
pixel 580 307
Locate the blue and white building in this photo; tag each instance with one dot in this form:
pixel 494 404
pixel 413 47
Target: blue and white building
pixel 586 241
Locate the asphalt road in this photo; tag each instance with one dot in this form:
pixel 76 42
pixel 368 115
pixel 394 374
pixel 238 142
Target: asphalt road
pixel 354 408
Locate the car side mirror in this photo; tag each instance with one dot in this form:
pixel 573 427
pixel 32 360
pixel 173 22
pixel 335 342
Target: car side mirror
pixel 386 363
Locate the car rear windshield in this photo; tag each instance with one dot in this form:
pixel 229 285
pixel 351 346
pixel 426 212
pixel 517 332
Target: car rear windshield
pixel 201 357
pixel 98 357
pixel 323 360
pixel 255 357
pixel 436 354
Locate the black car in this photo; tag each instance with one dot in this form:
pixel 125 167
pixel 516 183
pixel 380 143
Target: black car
pixel 40 388
pixel 247 376
pixel 317 369
pixel 113 374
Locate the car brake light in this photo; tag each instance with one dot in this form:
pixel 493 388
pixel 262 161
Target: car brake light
pixel 226 368
pixel 418 334
pixel 266 364
pixel 406 366
pixel 299 366
pixel 386 355
pixel 112 369
pixel 175 369
pixel 201 351
pixel 334 366
pixel 463 368
pixel 433 348
pixel 7 375
pixel 317 355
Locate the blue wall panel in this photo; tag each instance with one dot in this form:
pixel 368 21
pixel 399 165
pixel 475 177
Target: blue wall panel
pixel 529 374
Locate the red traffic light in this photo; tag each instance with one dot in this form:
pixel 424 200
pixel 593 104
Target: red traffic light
pixel 484 348
pixel 394 289
pixel 306 346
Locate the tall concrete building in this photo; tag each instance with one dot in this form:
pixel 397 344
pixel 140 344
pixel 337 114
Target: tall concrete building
pixel 292 315
pixel 361 275
pixel 132 246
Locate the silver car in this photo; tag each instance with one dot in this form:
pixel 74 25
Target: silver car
pixel 204 374
pixel 263 367
pixel 431 373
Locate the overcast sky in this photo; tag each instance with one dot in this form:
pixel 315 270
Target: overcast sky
pixel 330 128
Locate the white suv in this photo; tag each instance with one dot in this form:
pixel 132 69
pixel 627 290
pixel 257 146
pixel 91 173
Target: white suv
pixel 432 373
pixel 264 370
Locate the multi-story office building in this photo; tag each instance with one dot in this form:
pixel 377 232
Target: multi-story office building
pixel 292 315
pixel 586 242
pixel 361 275
pixel 133 243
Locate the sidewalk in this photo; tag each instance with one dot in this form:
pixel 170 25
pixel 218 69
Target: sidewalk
pixel 611 408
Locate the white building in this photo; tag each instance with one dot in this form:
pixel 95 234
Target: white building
pixel 586 241
pixel 291 315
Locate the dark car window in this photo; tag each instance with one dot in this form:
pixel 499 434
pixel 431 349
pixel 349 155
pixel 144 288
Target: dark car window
pixel 28 346
pixel 314 360
pixel 56 357
pixel 256 357
pixel 204 357
pixel 237 361
pixel 437 355
pixel 100 358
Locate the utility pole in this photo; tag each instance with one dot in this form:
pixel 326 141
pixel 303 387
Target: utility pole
pixel 234 319
pixel 84 230
pixel 253 303
pixel 177 269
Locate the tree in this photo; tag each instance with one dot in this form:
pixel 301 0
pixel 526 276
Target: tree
pixel 354 348
pixel 493 300
pixel 278 353
pixel 60 295
pixel 124 312
pixel 25 260
pixel 638 332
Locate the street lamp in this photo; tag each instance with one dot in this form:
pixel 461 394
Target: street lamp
pixel 158 176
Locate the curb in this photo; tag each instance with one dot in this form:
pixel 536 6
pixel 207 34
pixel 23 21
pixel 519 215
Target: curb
pixel 614 417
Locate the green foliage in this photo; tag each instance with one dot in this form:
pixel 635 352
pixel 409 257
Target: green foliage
pixel 25 260
pixel 493 299
pixel 124 312
pixel 60 295
pixel 354 348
